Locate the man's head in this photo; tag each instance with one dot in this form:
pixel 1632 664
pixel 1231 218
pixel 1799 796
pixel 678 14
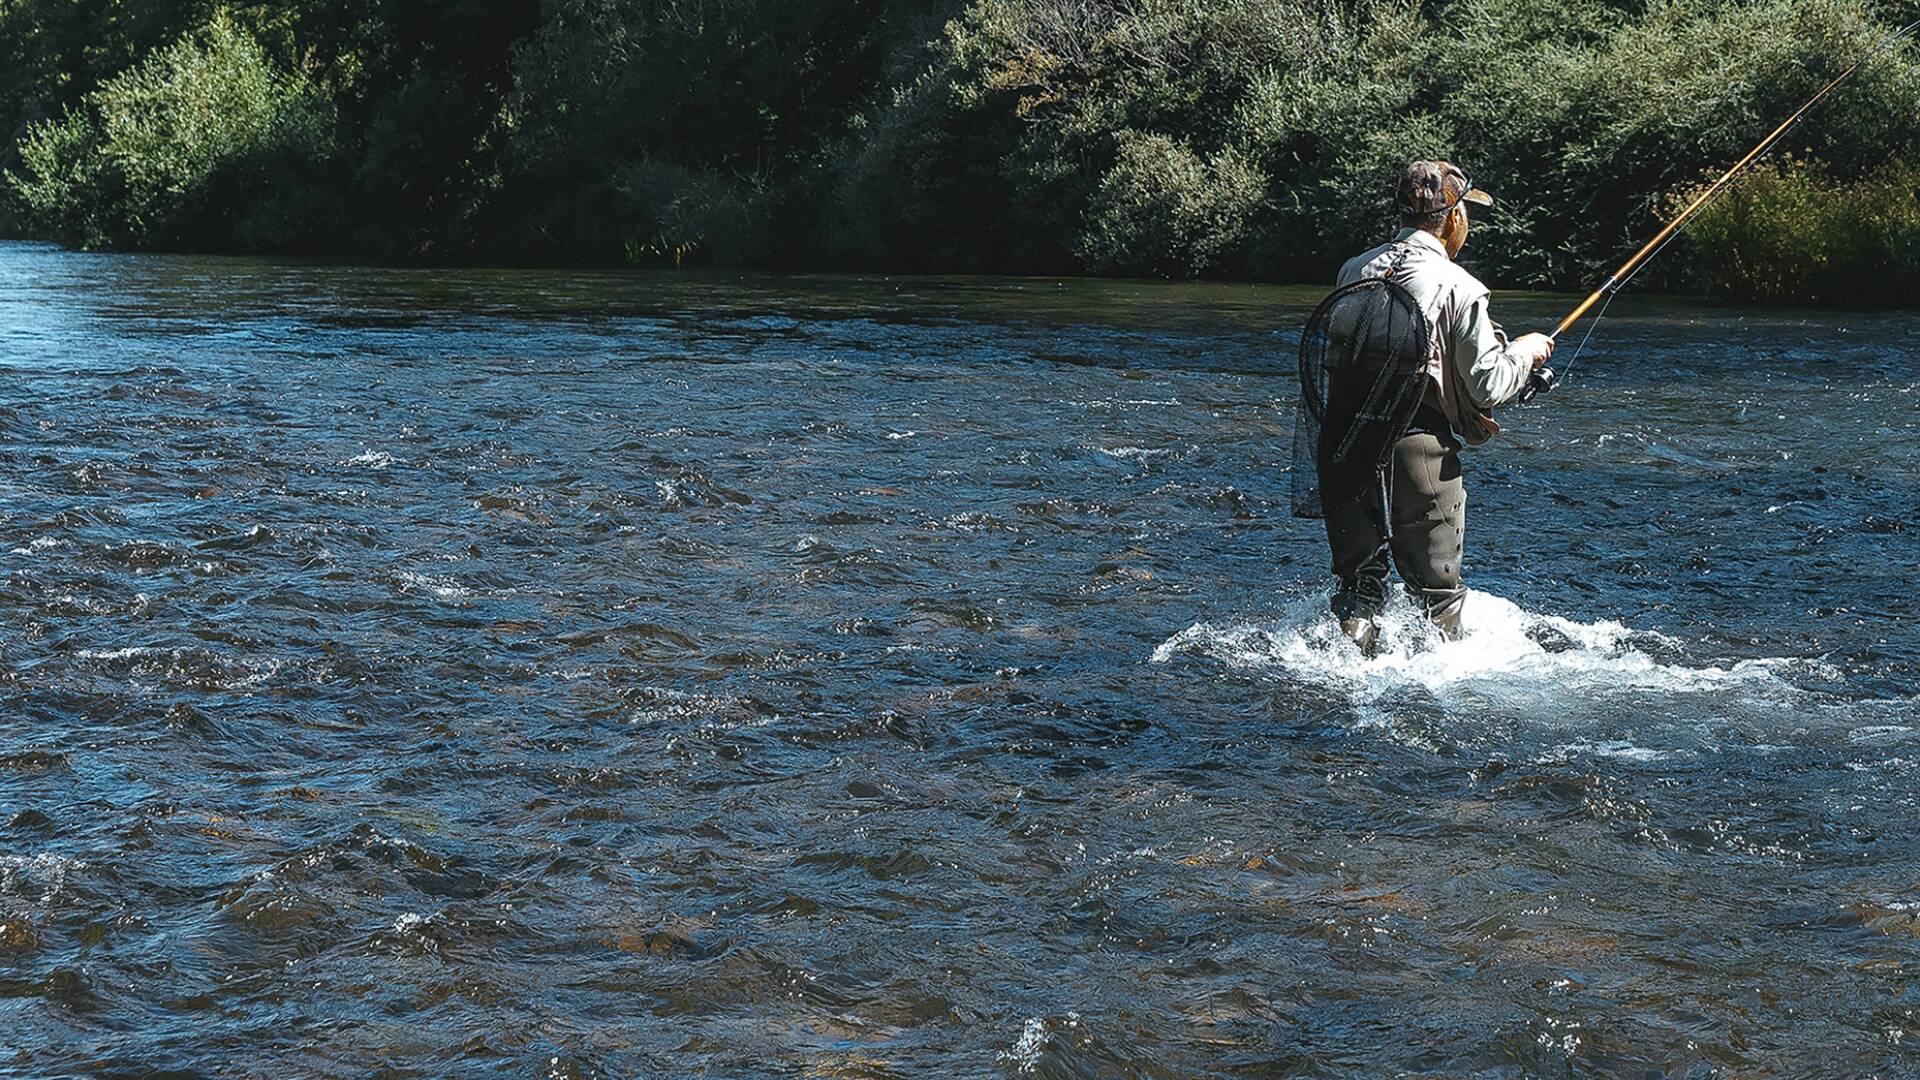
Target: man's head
pixel 1434 196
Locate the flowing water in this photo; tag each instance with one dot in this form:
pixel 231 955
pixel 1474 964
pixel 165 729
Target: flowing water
pixel 424 673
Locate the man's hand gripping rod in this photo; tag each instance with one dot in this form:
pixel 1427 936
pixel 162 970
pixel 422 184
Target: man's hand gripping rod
pixel 1543 379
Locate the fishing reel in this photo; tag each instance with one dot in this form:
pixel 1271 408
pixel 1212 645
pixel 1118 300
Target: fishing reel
pixel 1542 381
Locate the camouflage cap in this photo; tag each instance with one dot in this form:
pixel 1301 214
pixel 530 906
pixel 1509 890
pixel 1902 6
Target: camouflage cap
pixel 1427 187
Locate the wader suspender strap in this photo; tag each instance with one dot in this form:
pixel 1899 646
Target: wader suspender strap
pixel 1384 472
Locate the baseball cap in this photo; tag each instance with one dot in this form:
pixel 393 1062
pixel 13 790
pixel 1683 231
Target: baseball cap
pixel 1428 187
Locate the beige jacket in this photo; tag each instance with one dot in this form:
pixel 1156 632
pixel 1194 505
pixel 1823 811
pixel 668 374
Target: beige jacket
pixel 1470 367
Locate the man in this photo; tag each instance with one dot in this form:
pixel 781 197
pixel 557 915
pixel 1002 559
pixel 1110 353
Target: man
pixel 1471 368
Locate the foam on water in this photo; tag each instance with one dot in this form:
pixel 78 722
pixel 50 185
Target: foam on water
pixel 39 545
pixel 370 459
pixel 443 587
pixel 1505 652
pixel 1142 454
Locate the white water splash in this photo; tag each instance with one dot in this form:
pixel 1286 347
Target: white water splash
pixel 445 588
pixel 412 922
pixel 21 876
pixel 370 459
pixel 1506 651
pixel 39 545
pixel 227 670
pixel 1024 1054
pixel 1027 1053
pixel 1140 455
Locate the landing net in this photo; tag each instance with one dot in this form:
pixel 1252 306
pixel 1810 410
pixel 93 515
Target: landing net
pixel 1363 361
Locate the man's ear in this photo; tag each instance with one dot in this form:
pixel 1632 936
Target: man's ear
pixel 1457 229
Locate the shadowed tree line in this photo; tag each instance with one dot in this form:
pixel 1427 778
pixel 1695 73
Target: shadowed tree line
pixel 1216 138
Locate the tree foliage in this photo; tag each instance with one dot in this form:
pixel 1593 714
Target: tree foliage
pixel 180 149
pixel 1248 138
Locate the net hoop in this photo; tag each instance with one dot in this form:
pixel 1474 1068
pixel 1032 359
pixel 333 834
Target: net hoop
pixel 1363 372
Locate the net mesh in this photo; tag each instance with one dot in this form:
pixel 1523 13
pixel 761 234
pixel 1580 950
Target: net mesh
pixel 1363 362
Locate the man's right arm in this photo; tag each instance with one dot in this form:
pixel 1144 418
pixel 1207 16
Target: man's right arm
pixel 1495 370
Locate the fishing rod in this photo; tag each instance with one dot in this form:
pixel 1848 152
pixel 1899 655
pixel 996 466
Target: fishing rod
pixel 1543 379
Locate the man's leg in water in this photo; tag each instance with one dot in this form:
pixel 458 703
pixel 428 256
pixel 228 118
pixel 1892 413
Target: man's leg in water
pixel 1359 567
pixel 1429 525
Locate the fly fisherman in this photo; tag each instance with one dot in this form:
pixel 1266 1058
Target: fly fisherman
pixel 1470 367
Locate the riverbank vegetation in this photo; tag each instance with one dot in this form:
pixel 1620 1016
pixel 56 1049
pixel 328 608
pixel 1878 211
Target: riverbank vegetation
pixel 1216 138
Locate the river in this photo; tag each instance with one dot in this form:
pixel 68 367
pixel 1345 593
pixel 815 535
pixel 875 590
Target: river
pixel 509 673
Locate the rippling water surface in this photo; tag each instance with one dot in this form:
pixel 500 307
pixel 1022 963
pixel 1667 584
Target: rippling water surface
pixel 533 673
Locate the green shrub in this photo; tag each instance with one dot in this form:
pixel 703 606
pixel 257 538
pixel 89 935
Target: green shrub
pixel 1787 233
pixel 677 216
pixel 1196 137
pixel 1582 124
pixel 1132 135
pixel 184 147
pixel 59 194
pixel 1162 209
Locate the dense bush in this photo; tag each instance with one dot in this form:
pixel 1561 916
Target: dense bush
pixel 52 52
pixel 1247 138
pixel 1163 209
pixel 1261 137
pixel 1791 234
pixel 189 147
pixel 651 130
pixel 1587 126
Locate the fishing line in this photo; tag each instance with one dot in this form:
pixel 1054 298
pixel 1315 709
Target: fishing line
pixel 1582 347
pixel 1594 324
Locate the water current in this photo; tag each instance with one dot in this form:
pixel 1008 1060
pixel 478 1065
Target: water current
pixel 530 673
